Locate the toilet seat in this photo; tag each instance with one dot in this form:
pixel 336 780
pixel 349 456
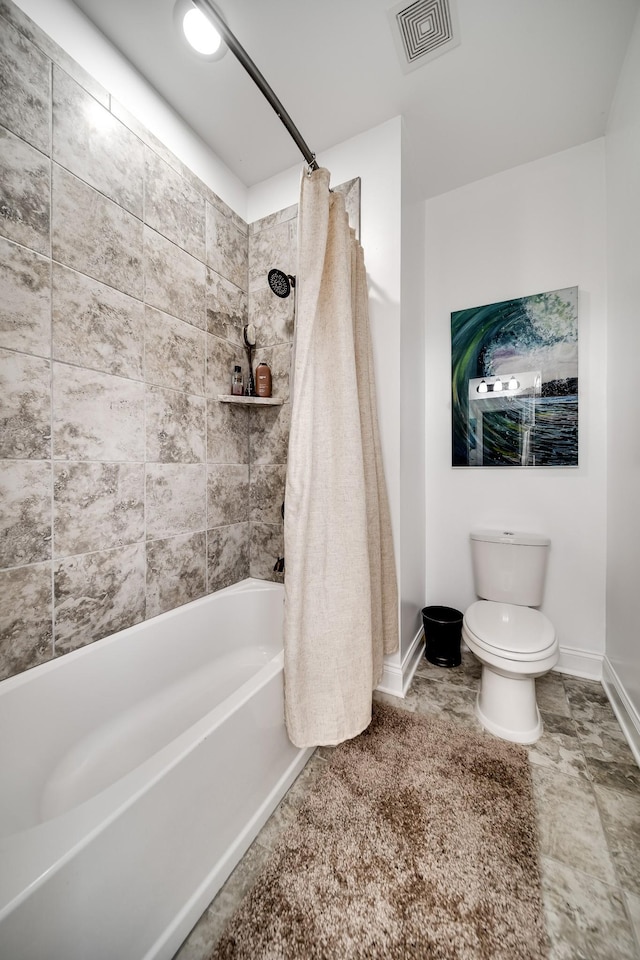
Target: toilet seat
pixel 510 631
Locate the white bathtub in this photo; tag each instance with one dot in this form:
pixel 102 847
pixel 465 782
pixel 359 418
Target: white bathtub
pixel 135 773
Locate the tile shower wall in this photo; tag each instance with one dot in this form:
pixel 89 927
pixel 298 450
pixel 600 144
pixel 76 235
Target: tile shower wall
pixel 273 244
pixel 124 482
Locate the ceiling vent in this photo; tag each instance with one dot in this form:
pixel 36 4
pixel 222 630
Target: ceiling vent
pixel 423 30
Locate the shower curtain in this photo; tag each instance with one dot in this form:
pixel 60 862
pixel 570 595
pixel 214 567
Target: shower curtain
pixel 341 602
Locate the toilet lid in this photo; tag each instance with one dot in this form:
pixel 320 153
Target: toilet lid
pixel 508 628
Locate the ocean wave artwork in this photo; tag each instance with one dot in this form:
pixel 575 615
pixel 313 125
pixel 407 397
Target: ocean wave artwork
pixel 514 379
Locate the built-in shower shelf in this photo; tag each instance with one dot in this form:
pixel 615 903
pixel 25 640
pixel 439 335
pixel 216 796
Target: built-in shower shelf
pixel 252 401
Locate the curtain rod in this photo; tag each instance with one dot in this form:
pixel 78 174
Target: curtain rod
pixel 207 8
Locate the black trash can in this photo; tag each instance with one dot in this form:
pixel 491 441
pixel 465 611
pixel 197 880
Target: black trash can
pixel 442 631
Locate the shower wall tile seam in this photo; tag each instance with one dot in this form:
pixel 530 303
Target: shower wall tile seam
pixel 88 276
pixel 222 277
pixel 27 143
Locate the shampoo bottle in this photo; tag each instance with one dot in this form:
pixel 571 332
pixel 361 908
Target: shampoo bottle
pixel 263 380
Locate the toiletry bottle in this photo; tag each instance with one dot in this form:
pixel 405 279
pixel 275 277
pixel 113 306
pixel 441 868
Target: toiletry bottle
pixel 237 386
pixel 263 380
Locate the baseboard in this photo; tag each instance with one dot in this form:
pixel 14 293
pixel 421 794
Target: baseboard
pixel 624 710
pixel 396 678
pixel 579 663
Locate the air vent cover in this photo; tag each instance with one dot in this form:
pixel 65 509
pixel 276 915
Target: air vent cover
pixel 423 30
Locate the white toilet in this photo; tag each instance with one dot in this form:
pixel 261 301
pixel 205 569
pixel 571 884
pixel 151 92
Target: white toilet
pixel 514 643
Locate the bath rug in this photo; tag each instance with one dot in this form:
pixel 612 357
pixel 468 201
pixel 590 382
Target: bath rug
pixel 417 843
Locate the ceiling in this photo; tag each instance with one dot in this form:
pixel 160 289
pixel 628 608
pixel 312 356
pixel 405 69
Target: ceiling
pixel 529 78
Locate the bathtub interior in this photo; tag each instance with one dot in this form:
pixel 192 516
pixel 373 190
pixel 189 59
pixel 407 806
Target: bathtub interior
pixel 140 709
pixel 135 887
pixel 71 727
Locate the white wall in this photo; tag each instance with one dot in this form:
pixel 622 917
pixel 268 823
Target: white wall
pixel 623 211
pixel 412 429
pixel 534 228
pixel 75 33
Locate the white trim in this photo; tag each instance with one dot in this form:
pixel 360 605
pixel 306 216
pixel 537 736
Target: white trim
pixel 396 678
pixel 623 708
pixel 579 663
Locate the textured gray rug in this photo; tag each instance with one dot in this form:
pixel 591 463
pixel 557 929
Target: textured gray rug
pixel 418 843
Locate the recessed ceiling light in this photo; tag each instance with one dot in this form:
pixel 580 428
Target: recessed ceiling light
pixel 198 31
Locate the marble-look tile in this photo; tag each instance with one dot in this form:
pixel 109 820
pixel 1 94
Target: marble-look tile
pixel 25 406
pixel 96 506
pixel 589 702
pixel 175 353
pixel 633 909
pixel 586 918
pixel 267 545
pixel 25 512
pixel 96 236
pixel 269 434
pixel 28 29
pixel 400 703
pixel 173 207
pixel 25 307
pixel 435 698
pixel 25 618
pixel 172 161
pixel 227 248
pixel 227 555
pixel 559 747
pixel 279 360
pixel 227 433
pixel 227 494
pixel 176 499
pixel 273 219
pixel 218 204
pixel 222 357
pixel 275 247
pixel 96 326
pixel 273 316
pixel 25 180
pixel 227 311
pixel 620 812
pixel 551 695
pixel 267 492
pixel 175 282
pixel 350 190
pixel 569 824
pixel 176 572
pixel 610 761
pixel 467 674
pixel 97 594
pixel 175 426
pixel 95 146
pixel 25 89
pixel 96 416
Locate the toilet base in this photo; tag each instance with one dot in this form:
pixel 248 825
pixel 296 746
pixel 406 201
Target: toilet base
pixel 506 706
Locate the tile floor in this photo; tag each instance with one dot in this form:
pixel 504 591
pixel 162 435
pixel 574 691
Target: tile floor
pixel 587 793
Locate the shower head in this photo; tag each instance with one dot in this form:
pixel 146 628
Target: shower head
pixel 281 283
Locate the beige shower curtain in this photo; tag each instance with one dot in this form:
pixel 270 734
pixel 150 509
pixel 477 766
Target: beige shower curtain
pixel 341 603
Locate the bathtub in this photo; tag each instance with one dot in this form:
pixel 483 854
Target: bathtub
pixel 136 772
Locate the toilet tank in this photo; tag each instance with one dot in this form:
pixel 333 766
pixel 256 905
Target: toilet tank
pixel 509 567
